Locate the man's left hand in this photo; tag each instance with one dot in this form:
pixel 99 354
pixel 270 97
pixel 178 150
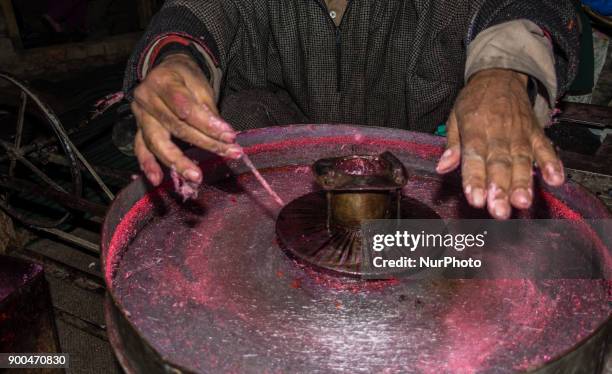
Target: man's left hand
pixel 495 136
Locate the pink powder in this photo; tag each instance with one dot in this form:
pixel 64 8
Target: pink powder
pixel 126 230
pixel 425 151
pixel 189 278
pixel 361 166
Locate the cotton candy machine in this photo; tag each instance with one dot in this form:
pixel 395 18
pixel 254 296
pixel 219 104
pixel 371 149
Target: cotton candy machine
pixel 207 286
pixel 323 228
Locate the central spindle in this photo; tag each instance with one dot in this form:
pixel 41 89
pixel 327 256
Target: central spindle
pixel 360 188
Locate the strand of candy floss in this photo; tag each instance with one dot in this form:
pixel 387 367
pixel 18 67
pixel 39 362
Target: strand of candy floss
pixel 189 190
pixel 249 164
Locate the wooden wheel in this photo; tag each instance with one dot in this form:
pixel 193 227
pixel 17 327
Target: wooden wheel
pixel 30 132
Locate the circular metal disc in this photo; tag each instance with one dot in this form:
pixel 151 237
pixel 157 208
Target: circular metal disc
pixel 208 288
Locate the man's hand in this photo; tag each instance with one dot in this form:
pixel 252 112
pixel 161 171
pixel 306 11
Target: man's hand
pixel 493 133
pixel 176 100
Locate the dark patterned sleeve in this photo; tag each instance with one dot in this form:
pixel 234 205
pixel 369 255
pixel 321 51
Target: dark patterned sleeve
pixel 557 18
pixel 205 29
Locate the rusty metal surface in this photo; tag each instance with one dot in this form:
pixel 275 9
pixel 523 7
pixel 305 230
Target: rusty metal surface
pixel 204 286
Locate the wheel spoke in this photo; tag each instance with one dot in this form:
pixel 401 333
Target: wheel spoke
pixel 19 130
pixel 40 173
pixel 31 166
pixel 18 152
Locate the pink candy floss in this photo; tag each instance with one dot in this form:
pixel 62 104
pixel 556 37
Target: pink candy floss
pixel 247 161
pixel 185 188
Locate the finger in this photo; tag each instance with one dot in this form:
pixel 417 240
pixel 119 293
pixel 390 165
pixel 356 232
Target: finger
pixel 521 191
pixel 473 168
pixel 451 158
pixel 169 84
pixel 182 103
pixel 158 141
pixel 207 112
pixel 499 178
pixel 547 160
pixel 147 161
pixel 184 131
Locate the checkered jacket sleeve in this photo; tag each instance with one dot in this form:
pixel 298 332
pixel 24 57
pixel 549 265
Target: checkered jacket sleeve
pixel 190 26
pixel 557 18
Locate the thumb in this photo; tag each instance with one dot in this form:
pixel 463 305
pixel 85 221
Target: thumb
pixel 451 158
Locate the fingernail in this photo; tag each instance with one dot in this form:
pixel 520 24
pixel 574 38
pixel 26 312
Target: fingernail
pixel 442 163
pixel 228 137
pixel 478 197
pixel 468 189
pixel 446 154
pixel 500 209
pixel 192 175
pixel 561 171
pixel 216 121
pixel 154 178
pixel 554 175
pixel 234 152
pixel 521 198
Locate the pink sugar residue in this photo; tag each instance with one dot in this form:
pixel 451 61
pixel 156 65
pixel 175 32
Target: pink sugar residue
pixel 425 151
pixel 361 166
pixel 559 208
pixel 186 189
pixel 125 232
pixel 345 284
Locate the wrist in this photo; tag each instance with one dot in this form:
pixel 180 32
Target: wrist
pixel 177 56
pixel 514 78
pixel 521 77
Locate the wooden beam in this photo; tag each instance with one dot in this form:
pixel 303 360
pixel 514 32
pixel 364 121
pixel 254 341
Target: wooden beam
pixel 11 23
pixel 587 115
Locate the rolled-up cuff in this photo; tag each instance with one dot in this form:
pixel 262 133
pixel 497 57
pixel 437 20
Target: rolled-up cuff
pixel 172 24
pixel 521 46
pixel 176 43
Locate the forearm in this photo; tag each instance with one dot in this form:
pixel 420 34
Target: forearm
pixel 523 47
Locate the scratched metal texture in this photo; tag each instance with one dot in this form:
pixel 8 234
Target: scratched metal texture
pixel 206 287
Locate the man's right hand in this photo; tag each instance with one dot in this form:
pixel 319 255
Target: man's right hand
pixel 176 100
